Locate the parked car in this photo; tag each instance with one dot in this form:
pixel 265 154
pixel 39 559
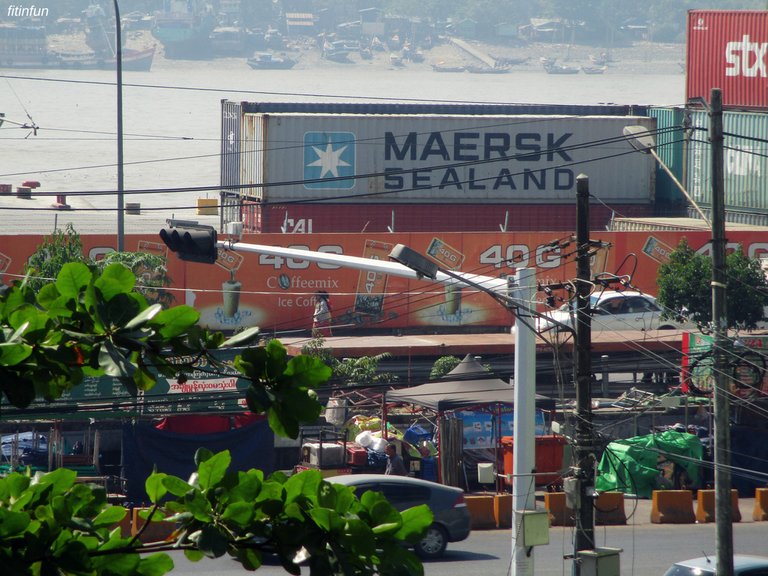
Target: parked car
pixel 451 517
pixel 614 311
pixel 743 565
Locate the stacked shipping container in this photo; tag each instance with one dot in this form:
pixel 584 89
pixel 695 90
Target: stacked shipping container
pixel 413 168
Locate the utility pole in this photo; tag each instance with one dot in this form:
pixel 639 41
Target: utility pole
pixel 723 511
pixel 584 449
pixel 120 183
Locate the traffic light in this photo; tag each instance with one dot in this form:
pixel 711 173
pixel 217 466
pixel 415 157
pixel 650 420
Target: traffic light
pixel 192 243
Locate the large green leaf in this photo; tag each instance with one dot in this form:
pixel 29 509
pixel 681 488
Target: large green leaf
pixel 212 542
pixel 240 513
pixel 175 321
pixel 109 516
pixel 12 354
pixel 114 362
pixel 308 371
pixel 212 471
pixel 13 523
pixel 242 338
pixel 155 487
pixel 415 520
pixel 154 565
pixel 144 316
pixel 115 279
pixel 73 277
pixel 305 483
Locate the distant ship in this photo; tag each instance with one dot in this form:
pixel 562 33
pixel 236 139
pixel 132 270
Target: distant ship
pixel 27 47
pixel 184 28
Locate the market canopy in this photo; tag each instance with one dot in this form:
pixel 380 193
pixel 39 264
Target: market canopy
pixel 463 387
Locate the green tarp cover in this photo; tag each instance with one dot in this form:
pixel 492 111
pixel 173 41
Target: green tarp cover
pixel 637 465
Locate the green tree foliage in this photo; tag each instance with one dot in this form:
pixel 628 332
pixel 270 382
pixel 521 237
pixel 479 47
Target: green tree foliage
pixel 363 371
pixel 94 322
pixel 151 273
pixel 443 365
pixel 59 248
pixel 684 287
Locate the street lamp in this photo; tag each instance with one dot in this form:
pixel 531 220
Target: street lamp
pixel 120 184
pixel 524 455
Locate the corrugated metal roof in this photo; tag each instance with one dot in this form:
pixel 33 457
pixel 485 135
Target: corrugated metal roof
pixel 442 109
pixel 673 224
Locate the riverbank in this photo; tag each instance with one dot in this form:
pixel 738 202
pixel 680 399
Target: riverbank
pixel 639 58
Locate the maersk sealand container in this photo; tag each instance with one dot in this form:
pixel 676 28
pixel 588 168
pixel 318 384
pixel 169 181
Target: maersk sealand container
pixel 432 159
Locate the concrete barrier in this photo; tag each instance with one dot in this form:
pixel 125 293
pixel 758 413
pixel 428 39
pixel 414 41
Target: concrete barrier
pixel 705 506
pixel 157 531
pixel 672 507
pixel 481 511
pixel 559 513
pixel 609 509
pixel 502 510
pixel 760 511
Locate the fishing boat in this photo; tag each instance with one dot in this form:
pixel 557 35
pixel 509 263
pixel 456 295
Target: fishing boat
pixel 445 68
pixel 554 68
pixel 270 61
pixel 474 69
pixel 594 69
pixel 27 47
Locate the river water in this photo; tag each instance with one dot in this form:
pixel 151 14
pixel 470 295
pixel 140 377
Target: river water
pixel 171 115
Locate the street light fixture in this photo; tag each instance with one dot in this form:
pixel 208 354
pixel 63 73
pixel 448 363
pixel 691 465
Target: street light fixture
pixel 524 455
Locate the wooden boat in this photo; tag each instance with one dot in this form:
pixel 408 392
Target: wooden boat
pixel 444 68
pixel 269 61
pixel 594 69
pixel 553 68
pixel 474 69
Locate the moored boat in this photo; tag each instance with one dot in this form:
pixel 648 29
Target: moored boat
pixel 553 68
pixel 270 61
pixel 594 69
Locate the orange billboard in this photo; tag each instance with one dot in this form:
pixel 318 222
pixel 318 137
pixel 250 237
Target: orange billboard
pixel 276 293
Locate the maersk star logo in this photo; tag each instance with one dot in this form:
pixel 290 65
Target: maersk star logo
pixel 329 155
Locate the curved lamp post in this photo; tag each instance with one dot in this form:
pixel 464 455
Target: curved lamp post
pixel 120 184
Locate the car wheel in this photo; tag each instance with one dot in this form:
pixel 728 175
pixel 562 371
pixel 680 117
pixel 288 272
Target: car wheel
pixel 667 327
pixel 433 544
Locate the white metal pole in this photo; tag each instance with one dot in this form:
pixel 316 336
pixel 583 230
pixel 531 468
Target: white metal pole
pixel 524 456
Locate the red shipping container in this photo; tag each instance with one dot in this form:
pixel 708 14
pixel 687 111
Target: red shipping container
pixel 335 218
pixel 549 457
pixel 728 49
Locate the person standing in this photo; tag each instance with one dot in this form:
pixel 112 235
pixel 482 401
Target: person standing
pixel 395 464
pixel 321 319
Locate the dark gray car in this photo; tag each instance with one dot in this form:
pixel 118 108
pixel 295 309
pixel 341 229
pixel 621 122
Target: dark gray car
pixel 452 522
pixel 743 565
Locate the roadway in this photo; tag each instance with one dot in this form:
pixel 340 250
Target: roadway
pixel 647 549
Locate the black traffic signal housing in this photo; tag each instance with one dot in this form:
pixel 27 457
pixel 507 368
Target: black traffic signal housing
pixel 192 243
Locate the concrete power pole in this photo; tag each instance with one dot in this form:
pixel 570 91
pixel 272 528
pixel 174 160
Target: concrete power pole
pixel 723 511
pixel 584 449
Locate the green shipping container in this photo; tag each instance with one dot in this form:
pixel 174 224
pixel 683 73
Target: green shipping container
pixel 745 165
pixel 670 149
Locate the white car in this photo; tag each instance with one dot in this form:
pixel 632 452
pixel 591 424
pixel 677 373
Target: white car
pixel 613 311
